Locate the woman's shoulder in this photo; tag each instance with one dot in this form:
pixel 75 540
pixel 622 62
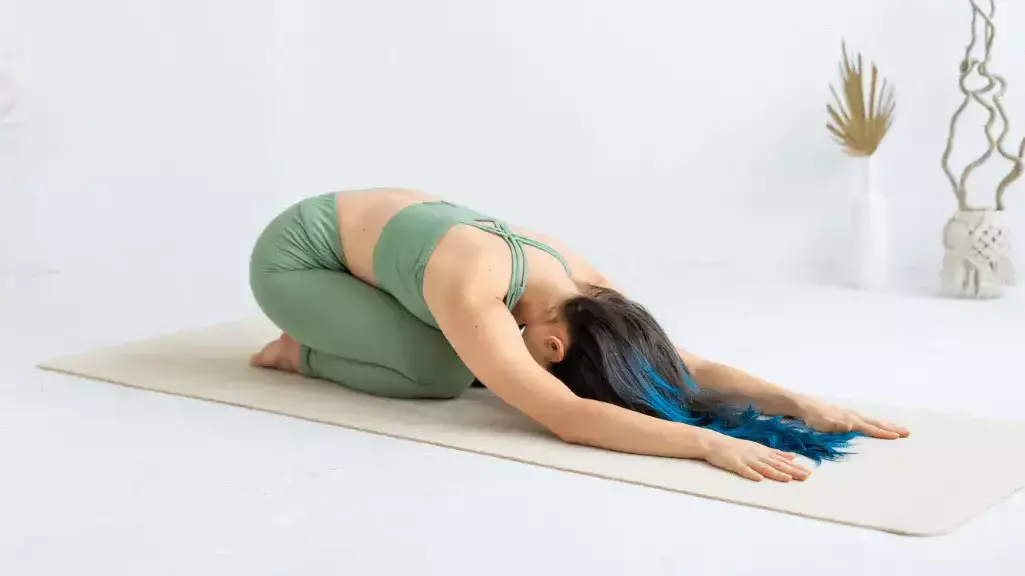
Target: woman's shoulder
pixel 470 263
pixel 581 269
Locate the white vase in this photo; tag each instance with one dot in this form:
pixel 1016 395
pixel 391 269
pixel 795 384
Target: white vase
pixel 978 262
pixel 870 227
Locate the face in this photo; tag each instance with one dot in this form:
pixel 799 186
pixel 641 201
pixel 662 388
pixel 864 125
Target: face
pixel 547 341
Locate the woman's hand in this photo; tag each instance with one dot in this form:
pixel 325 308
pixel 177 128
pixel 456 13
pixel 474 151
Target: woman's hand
pixel 826 417
pixel 754 461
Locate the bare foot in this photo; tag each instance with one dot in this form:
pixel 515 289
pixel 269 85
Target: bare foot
pixel 281 354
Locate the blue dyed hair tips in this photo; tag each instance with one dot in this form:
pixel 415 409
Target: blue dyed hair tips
pixel 619 354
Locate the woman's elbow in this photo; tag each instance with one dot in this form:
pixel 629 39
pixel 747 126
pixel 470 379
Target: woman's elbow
pixel 569 435
pixel 566 433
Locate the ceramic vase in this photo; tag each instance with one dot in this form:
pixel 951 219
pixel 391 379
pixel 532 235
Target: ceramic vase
pixel 977 262
pixel 869 221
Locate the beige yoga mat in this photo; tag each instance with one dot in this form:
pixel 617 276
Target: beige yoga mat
pixel 950 470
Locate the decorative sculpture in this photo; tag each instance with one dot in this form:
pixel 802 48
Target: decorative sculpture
pixel 978 262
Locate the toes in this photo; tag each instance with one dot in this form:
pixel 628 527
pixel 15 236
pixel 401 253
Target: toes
pixel 267 357
pixel 281 354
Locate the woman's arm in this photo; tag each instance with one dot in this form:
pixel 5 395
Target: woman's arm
pixel 731 384
pixel 487 339
pixel 736 386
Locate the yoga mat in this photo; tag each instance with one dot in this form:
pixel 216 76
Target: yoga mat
pixel 950 470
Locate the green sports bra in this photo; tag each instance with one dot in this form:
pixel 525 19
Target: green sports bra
pixel 408 240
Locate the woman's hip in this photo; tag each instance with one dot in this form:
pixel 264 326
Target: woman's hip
pixel 304 236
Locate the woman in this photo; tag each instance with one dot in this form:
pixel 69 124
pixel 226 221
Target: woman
pixel 399 294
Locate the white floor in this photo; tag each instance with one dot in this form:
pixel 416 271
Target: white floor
pixel 105 480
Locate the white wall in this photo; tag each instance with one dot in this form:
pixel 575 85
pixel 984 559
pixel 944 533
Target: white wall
pixel 15 205
pixel 145 125
pixel 699 127
pixel 678 131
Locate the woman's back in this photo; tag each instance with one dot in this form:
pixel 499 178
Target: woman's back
pixel 462 254
pixel 362 216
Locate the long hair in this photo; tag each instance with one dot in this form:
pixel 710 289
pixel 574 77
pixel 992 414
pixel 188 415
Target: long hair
pixel 619 354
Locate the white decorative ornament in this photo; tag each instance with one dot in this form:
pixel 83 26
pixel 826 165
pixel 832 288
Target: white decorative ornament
pixel 978 260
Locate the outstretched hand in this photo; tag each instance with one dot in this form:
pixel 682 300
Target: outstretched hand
pixel 754 461
pixel 826 417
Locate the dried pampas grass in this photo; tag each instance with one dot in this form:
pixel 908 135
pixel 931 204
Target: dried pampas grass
pixel 857 127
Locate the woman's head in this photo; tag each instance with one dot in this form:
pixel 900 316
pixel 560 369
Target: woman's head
pixel 613 350
pixel 605 347
pixel 548 339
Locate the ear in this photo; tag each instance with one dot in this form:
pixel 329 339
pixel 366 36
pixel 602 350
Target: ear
pixel 555 349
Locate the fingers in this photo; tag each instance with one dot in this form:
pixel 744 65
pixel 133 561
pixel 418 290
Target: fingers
pixel 786 459
pixel 771 469
pixel 874 427
pixel 749 473
pixel 779 471
pixel 786 455
pixel 854 422
pixel 795 471
pixel 757 463
pixel 875 431
pixel 774 465
pixel 901 431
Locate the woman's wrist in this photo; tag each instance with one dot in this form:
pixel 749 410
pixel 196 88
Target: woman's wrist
pixel 797 403
pixel 701 442
pixel 775 400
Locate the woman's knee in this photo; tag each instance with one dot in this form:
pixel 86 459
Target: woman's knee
pixel 446 380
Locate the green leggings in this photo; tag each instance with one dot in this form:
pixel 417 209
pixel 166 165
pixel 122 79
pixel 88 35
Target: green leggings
pixel 351 332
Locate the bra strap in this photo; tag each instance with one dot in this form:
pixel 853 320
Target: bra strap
pixel 518 277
